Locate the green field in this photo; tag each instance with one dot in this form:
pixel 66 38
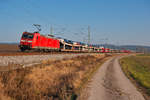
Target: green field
pixel 138 68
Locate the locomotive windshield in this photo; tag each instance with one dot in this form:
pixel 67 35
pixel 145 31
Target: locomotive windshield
pixel 27 36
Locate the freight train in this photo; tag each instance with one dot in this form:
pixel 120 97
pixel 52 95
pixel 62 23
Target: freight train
pixel 36 41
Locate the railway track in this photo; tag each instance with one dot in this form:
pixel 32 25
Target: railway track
pixel 19 53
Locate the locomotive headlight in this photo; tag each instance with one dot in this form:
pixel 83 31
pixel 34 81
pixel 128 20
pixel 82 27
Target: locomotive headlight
pixel 29 41
pixel 22 40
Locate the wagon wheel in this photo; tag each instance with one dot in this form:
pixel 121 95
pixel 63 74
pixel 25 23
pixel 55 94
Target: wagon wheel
pixel 22 49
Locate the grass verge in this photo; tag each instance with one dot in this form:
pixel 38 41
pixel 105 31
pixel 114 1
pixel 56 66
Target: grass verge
pixel 51 80
pixel 137 68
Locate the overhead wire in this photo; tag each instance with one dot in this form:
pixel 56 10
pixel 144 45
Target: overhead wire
pixel 61 30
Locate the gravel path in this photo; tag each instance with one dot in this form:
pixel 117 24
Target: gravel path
pixel 30 59
pixel 110 83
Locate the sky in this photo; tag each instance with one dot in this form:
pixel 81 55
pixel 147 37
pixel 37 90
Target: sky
pixel 119 22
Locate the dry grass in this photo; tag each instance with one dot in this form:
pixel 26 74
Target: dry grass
pixel 2 95
pixel 52 80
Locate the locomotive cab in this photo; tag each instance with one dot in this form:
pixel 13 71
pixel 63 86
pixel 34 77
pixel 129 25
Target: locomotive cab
pixel 27 40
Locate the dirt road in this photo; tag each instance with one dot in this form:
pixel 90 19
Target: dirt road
pixel 110 83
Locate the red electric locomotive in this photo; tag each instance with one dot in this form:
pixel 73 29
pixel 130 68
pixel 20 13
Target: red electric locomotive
pixel 39 42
